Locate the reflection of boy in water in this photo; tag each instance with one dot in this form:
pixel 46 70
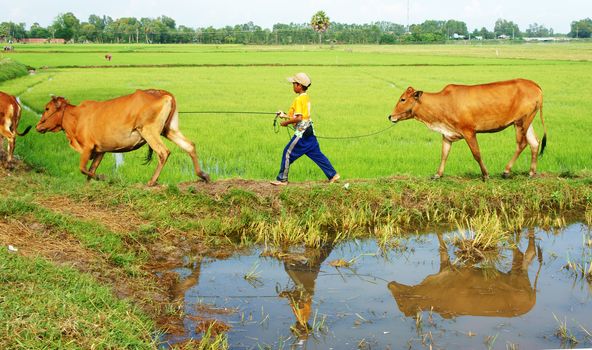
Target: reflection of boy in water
pixel 304 275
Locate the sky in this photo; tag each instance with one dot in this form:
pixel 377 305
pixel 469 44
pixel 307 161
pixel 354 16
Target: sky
pixel 476 14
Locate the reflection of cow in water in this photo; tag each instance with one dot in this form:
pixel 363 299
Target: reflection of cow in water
pixel 469 290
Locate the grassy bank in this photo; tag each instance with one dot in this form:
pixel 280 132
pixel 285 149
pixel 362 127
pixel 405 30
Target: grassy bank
pixel 123 234
pixel 10 69
pixel 43 306
pixel 250 211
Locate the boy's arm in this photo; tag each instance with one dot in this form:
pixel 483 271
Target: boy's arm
pixel 297 118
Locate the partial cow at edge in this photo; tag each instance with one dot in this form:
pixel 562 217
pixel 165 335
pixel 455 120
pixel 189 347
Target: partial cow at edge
pixel 461 111
pixel 10 115
pixel 122 124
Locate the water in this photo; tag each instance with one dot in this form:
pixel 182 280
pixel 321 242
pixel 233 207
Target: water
pixel 521 299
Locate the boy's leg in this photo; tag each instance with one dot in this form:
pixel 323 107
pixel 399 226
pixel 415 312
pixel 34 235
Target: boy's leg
pixel 292 151
pixel 314 153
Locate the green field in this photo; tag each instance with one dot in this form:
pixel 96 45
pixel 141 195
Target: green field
pixel 354 88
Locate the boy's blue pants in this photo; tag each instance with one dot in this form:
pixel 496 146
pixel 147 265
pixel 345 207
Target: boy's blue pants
pixel 296 148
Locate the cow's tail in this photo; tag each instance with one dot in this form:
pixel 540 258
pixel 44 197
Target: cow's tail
pixel 544 141
pixel 148 156
pixel 18 117
pixel 24 132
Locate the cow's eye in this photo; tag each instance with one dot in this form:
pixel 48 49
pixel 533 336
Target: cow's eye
pixel 402 100
pixel 47 108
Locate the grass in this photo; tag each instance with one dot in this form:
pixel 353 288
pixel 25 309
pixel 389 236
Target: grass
pixel 92 234
pixel 562 332
pixel 479 235
pixel 10 69
pixel 581 266
pixel 64 309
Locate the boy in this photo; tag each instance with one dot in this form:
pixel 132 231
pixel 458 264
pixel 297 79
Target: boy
pixel 304 141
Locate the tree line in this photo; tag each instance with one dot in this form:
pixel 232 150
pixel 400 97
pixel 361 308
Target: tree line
pixel 163 30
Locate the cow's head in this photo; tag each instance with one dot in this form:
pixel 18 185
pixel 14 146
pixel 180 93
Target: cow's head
pixel 51 119
pixel 404 107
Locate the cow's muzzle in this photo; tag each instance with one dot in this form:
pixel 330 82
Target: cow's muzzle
pixel 390 117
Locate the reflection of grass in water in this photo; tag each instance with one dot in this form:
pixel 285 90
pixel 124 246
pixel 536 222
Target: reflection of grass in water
pixel 253 276
pixel 480 235
pixel 583 267
pixel 563 333
pixel 490 340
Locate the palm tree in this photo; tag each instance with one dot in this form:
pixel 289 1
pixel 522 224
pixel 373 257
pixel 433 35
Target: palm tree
pixel 320 23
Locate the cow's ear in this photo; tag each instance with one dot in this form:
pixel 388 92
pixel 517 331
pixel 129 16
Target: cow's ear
pixel 58 101
pixel 410 90
pixel 417 95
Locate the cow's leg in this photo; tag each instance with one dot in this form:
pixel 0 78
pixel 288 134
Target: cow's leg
pixel 154 141
pixel 446 144
pixel 177 137
pixel 84 158
pixel 520 145
pixel 534 148
pixel 95 164
pixel 10 137
pixel 471 139
pixel 11 144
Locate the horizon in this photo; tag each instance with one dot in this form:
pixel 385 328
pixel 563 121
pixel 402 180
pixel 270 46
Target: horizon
pixel 266 13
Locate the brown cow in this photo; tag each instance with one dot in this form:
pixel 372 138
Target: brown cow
pixel 459 290
pixel 462 111
pixel 122 124
pixel 10 115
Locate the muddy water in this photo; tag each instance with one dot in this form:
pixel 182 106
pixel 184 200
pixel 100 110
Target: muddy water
pixel 411 297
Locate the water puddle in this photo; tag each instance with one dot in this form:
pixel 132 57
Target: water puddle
pixel 415 296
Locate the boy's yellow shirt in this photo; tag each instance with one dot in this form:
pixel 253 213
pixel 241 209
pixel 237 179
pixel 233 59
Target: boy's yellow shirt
pixel 301 105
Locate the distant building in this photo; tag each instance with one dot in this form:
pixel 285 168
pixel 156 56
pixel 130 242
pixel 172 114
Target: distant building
pixel 503 37
pixel 42 41
pixel 458 36
pixel 478 37
pixel 547 39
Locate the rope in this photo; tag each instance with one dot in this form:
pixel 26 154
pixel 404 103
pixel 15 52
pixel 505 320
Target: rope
pixel 276 126
pixel 354 137
pixel 225 112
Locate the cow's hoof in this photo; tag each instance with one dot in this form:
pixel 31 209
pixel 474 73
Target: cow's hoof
pixel 204 176
pixel 485 178
pixel 506 175
pixel 151 183
pixel 436 177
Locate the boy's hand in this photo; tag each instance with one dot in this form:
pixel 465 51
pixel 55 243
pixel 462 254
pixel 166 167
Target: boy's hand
pixel 282 115
pixel 285 123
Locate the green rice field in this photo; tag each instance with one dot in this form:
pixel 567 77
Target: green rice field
pixel 354 89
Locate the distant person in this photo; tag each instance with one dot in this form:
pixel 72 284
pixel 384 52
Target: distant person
pixel 304 140
pixel 108 57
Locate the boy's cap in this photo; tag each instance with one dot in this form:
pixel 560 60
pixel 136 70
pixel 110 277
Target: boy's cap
pixel 300 78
